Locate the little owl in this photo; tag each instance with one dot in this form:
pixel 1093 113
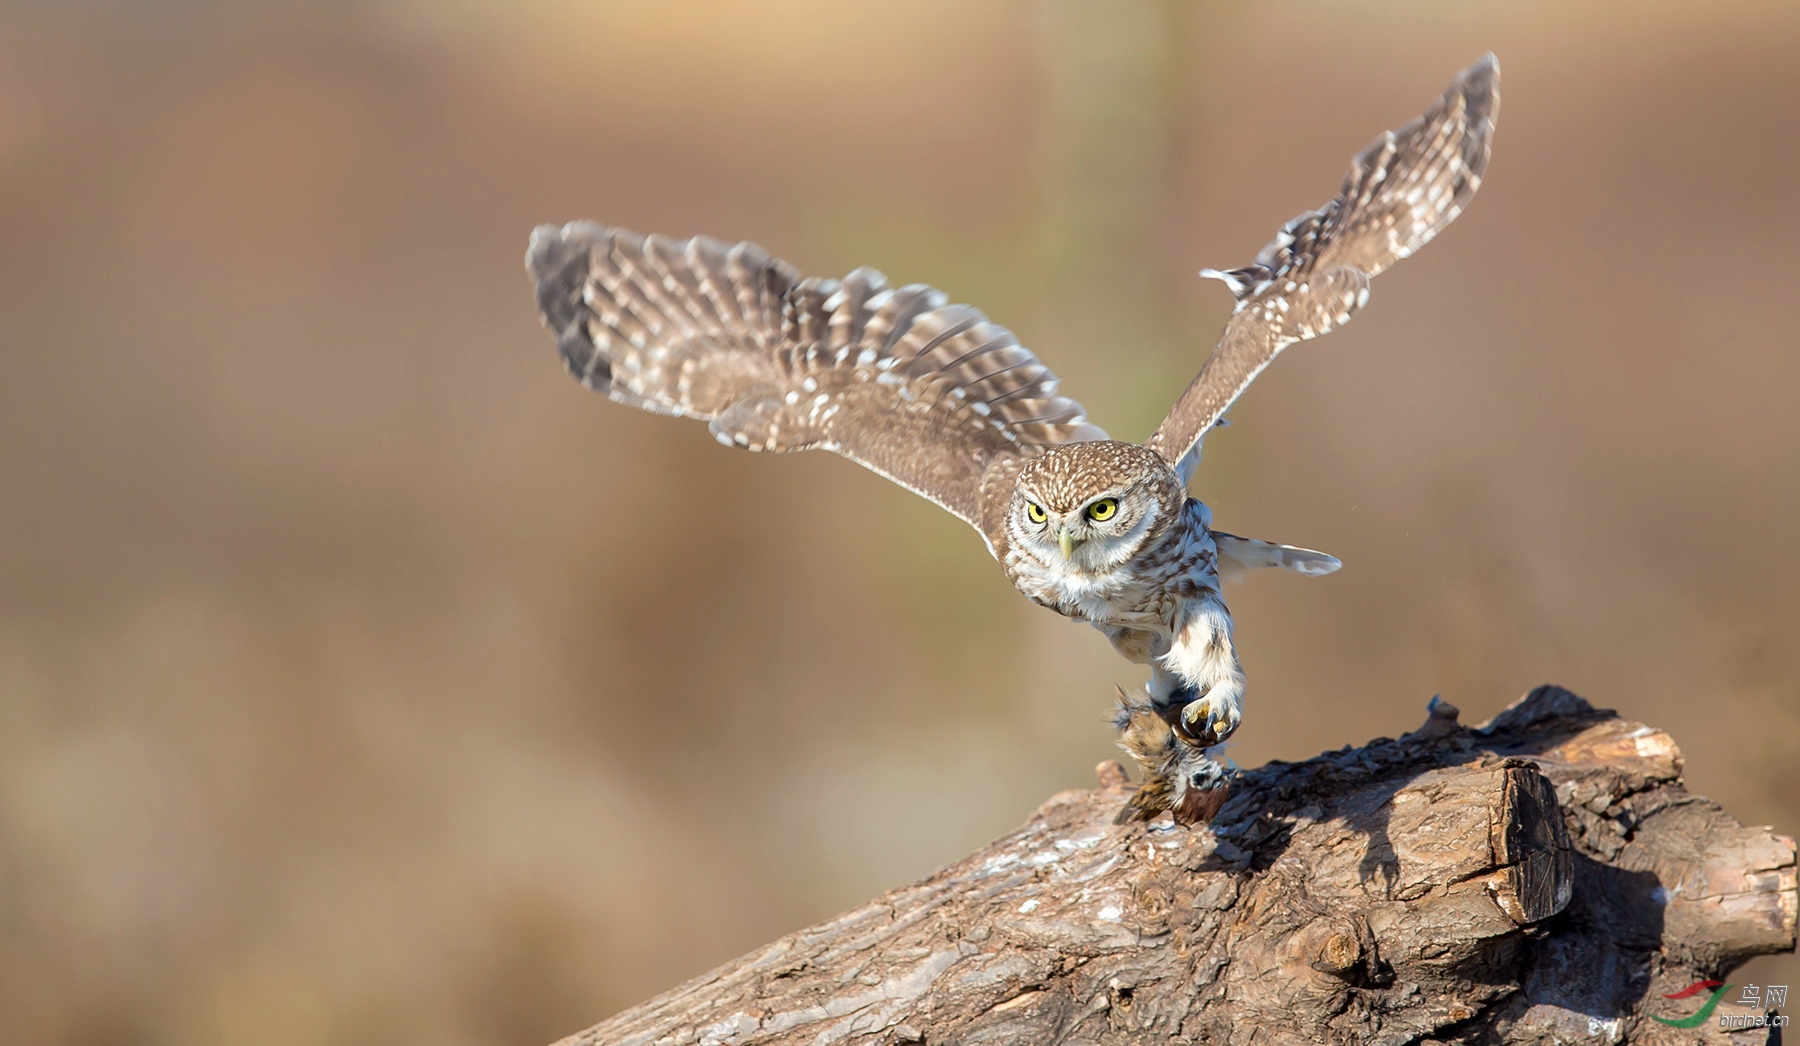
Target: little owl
pixel 947 404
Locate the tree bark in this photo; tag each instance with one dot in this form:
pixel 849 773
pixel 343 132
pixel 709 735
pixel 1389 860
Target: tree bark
pixel 1542 878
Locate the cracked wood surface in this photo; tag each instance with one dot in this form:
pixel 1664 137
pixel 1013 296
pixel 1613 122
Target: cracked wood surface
pixel 1541 878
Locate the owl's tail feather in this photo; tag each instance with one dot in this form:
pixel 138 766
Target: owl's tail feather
pixel 1237 556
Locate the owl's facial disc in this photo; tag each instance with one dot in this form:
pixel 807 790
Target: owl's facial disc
pixel 1088 507
pixel 1086 523
pixel 1066 525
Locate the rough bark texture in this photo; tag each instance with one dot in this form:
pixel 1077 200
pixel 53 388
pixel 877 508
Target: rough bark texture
pixel 1542 878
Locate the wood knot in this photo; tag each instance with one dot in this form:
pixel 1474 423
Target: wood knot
pixel 1331 945
pixel 1340 952
pixel 1111 774
pixel 1152 899
pixel 1120 989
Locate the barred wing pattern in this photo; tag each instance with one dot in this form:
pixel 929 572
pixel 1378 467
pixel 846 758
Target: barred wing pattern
pixel 1401 191
pixel 928 394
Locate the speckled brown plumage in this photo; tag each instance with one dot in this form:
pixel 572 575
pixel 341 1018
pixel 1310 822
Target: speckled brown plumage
pixel 1400 192
pixel 939 399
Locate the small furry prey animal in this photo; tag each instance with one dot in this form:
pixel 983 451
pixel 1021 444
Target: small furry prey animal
pixel 938 399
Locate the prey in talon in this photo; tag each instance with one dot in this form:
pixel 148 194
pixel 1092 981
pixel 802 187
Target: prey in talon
pixel 937 398
pixel 1178 775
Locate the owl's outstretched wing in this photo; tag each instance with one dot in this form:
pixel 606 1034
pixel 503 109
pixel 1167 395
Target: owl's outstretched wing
pixel 1401 190
pixel 929 394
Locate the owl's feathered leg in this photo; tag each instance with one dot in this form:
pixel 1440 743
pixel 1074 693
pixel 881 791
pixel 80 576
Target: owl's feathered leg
pixel 1202 664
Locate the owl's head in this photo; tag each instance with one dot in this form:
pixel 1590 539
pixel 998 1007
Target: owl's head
pixel 1091 506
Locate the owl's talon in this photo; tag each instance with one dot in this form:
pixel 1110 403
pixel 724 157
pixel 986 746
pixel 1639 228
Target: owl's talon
pixel 1209 720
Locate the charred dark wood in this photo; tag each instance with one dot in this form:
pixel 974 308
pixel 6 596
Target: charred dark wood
pixel 1542 878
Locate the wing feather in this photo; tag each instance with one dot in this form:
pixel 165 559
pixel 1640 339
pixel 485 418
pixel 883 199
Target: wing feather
pixel 1401 190
pixel 930 394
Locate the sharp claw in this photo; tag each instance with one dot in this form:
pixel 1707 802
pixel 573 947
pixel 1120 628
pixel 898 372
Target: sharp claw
pixel 1190 725
pixel 1201 724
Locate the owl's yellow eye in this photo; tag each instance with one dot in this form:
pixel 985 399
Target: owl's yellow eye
pixel 1103 510
pixel 1035 512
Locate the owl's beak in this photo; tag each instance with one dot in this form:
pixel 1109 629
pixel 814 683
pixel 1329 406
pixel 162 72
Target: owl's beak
pixel 1069 543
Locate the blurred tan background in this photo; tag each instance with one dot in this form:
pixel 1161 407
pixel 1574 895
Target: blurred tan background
pixel 364 680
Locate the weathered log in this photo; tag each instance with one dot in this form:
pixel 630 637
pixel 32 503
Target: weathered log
pixel 1542 878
